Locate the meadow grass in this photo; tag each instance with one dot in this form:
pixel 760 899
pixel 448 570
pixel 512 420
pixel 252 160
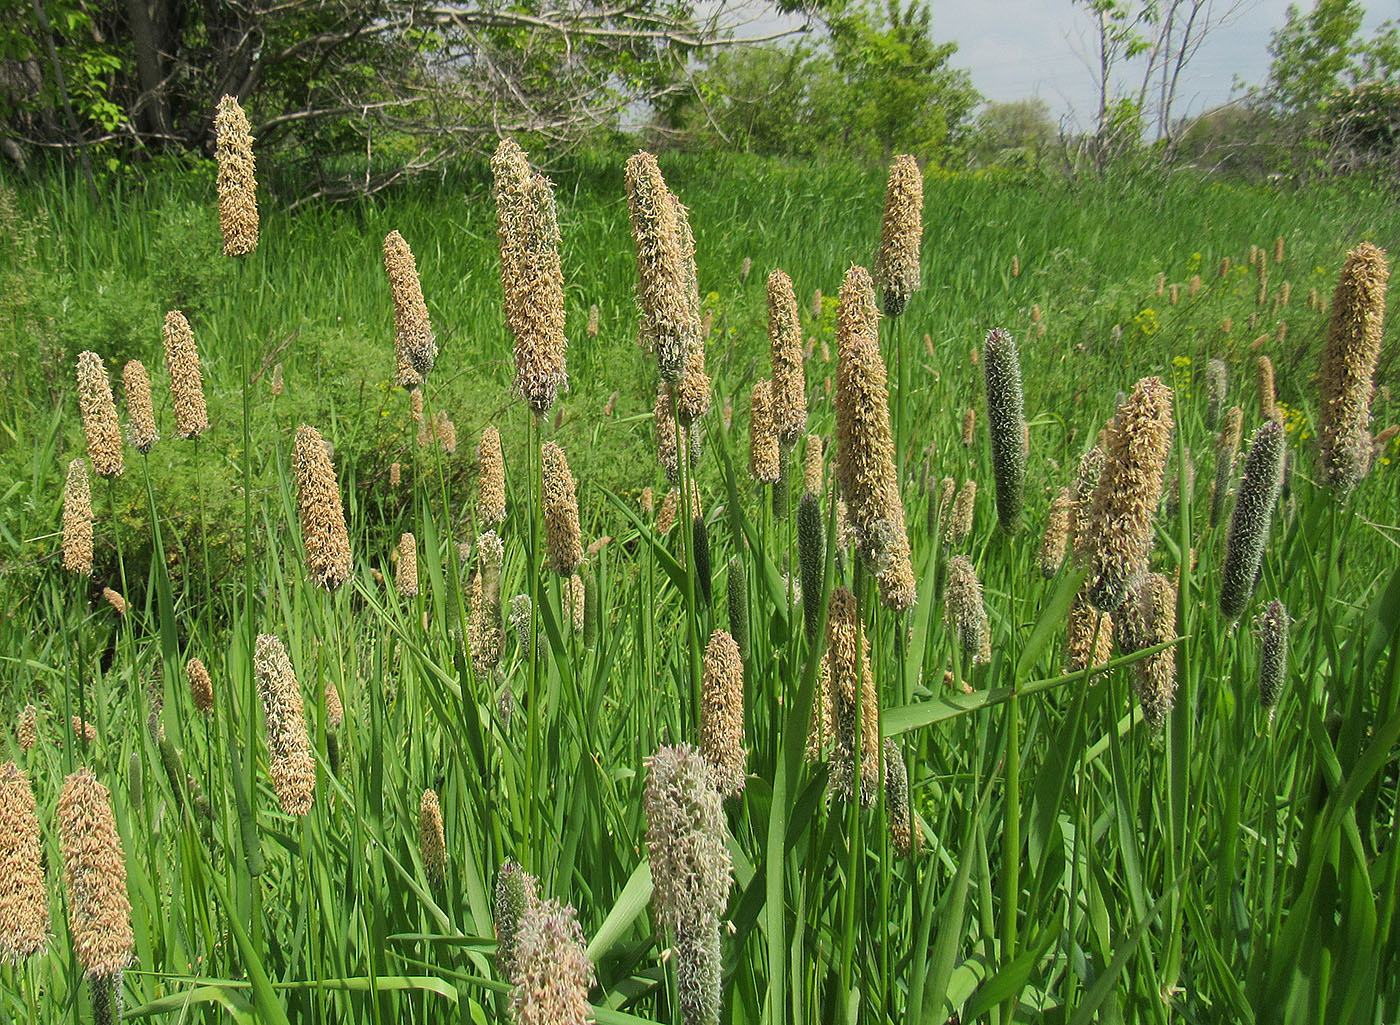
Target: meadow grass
pixel 1072 864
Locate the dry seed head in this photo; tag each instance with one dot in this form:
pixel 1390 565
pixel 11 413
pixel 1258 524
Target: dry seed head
pixel 99 409
pixel 531 278
pixel 722 721
pixel 1252 518
pixel 491 479
pixel 1271 627
pixel 395 475
pixel 765 458
pixel 24 904
pixel 670 510
pixel 406 570
pixel 960 519
pixel 277 379
pixel 115 599
pixel 593 321
pixel 864 448
pixel 1052 545
pixel 289 749
pixel 186 377
pixel 853 697
pixel 969 430
pixel 1215 392
pixel 789 384
pixel 237 180
pixel 94 870
pixel 77 519
pixel 83 730
pixel 1267 409
pixel 1174 294
pixel 141 429
pixel 812 465
pixel 515 894
pixel 670 321
pixel 1128 492
pixel 1194 285
pixel 431 843
pixel 1006 423
pixel 693 393
pixel 575 599
pixel 1016 266
pixel 563 538
pixel 318 507
pixel 335 709
pixel 1348 367
pixel 690 863
pixel 904 839
pixel 897 262
pixel 1161 282
pixel 822 726
pixel 552 971
pixel 1088 636
pixel 1224 266
pixel 1148 618
pixel 964 610
pixel 415 349
pixel 667 451
pixel 27 732
pixel 1278 249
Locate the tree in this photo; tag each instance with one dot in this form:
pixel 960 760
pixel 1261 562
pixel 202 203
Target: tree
pixel 1013 131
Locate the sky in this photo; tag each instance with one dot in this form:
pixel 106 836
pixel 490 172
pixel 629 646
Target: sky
pixel 1048 48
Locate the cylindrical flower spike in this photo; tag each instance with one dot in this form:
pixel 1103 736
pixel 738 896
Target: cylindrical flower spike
pixel 1216 381
pixel 897 262
pixel 77 519
pixel 670 320
pixel 1052 545
pixel 99 409
pixel 789 385
pixel 491 479
pixel 811 558
pixel 1227 448
pixel 563 537
pixel 201 686
pixel 765 459
pixel 319 510
pixel 722 719
pixel 1348 367
pixel 291 766
pixel 94 868
pixel 904 837
pixel 237 179
pixel 552 971
pixel 1148 618
pixel 1271 627
pixel 1006 422
pixel 1252 518
pixel 1128 493
pixel 960 517
pixel 406 569
pixel 963 609
pixel 1267 408
pixel 24 904
pixel 141 428
pixel 515 895
pixel 186 377
pixel 431 843
pixel 855 702
pixel 415 349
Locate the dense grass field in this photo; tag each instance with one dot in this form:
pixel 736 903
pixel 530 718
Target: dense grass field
pixel 1073 864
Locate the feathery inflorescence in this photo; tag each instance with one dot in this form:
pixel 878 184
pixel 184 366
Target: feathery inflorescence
pixel 722 714
pixel 1148 618
pixel 964 610
pixel 1252 518
pixel 515 894
pixel 291 766
pixel 670 314
pixel 99 409
pixel 865 464
pixel 855 701
pixel 1268 410
pixel 115 599
pixel 487 631
pixel 415 349
pixel 901 232
pixel 812 465
pixel 186 377
pixel 904 838
pixel 406 569
pixel 1127 493
pixel 491 479
pixel 1348 367
pixel 691 871
pixel 77 519
pixel 237 179
pixel 94 869
pixel 1006 422
pixel 318 507
pixel 563 537
pixel 1088 636
pixel 552 971
pixel 201 686
pixel 24 905
pixel 141 428
pixel 960 516
pixel 431 843
pixel 1271 627
pixel 27 730
pixel 789 384
pixel 531 276
pixel 765 458
pixel 1052 545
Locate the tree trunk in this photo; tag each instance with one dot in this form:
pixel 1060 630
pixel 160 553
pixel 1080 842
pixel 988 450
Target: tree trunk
pixel 153 106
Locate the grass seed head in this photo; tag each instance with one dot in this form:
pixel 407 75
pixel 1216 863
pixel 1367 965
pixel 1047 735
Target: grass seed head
pixel 1217 378
pixel 186 377
pixel 1148 618
pixel 811 560
pixel 575 599
pixel 415 348
pixel 491 479
pixel 1348 367
pixel 515 895
pixel 1268 410
pixel 94 870
pixel 1088 636
pixel 141 428
pixel 670 510
pixel 237 179
pixel 693 392
pixel 1052 545
pixel 789 385
pixel 563 537
pixel 24 904
pixel 960 518
pixel 406 569
pixel 99 409
pixel 291 766
pixel 1227 448
pixel 904 839
pixel 114 598
pixel 897 262
pixel 431 843
pixel 854 697
pixel 722 719
pixel 1128 492
pixel 552 971
pixel 964 610
pixel 670 318
pixel 318 507
pixel 1252 518
pixel 1271 627
pixel 77 519
pixel 765 457
pixel 1006 422
pixel 27 731
pixel 335 708
pixel 738 601
pixel 969 428
pixel 812 465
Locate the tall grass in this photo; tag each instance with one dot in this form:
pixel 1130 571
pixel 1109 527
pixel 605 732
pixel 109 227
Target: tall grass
pixel 1071 864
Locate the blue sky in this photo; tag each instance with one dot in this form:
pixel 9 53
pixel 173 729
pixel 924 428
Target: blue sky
pixel 1020 48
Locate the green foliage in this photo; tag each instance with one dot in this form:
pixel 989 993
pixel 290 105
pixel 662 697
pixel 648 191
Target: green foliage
pixel 1014 133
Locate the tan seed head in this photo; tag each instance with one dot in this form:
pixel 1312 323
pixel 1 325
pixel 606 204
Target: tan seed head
pixel 201 686
pixel 431 842
pixel 897 262
pixel 415 348
pixel 722 714
pixel 141 428
pixel 319 509
pixel 237 180
pixel 24 904
pixel 77 519
pixel 94 870
pixel 563 538
pixel 789 384
pixel 406 571
pixel 291 765
pixel 186 378
pixel 99 409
